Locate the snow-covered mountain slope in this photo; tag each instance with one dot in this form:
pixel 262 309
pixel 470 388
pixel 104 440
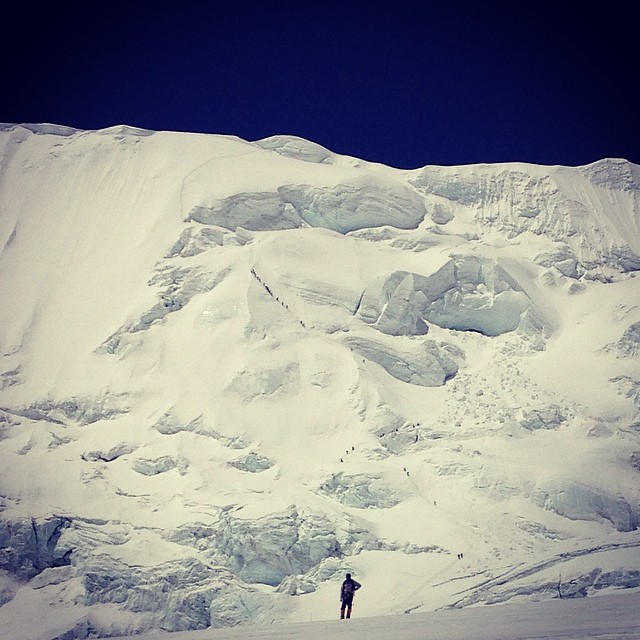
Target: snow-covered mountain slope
pixel 233 371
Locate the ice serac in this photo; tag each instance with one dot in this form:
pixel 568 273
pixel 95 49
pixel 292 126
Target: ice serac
pixel 593 209
pixel 429 366
pixel 342 208
pixel 468 293
pixel 175 595
pixel 629 344
pixel 582 502
pixel 346 208
pixel 232 371
pixel 30 545
pixel 298 148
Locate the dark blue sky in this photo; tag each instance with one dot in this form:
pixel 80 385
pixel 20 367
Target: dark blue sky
pixel 404 84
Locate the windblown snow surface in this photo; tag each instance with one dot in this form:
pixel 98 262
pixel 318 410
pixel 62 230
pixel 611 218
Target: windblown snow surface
pixel 233 371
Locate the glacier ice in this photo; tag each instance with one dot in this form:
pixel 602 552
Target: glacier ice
pixel 188 353
pixel 579 501
pixel 467 293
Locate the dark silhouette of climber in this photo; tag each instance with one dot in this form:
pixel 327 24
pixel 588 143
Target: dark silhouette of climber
pixel 347 591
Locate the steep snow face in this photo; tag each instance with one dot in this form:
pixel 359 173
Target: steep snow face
pixel 232 371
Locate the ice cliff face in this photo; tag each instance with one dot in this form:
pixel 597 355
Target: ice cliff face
pixel 563 204
pixel 233 371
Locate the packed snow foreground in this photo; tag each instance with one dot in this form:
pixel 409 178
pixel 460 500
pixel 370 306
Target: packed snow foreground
pixel 231 372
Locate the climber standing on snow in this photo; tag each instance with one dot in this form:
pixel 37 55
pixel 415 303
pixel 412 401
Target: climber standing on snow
pixel 347 591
